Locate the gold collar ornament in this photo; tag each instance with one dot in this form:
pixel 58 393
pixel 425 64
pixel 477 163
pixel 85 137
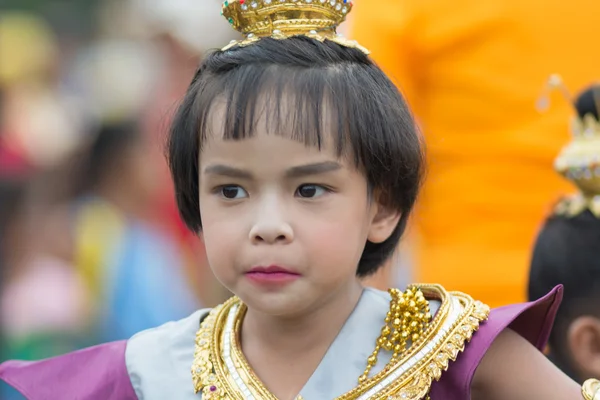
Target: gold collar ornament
pixel 591 389
pixel 423 347
pixel 282 19
pixel 579 160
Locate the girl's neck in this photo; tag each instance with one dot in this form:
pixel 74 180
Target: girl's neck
pixel 316 328
pixel 285 352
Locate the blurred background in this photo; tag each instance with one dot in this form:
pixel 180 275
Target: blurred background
pixel 91 245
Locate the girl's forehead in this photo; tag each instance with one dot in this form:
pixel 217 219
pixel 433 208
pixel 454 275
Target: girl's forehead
pixel 267 148
pixel 287 115
pixel 271 127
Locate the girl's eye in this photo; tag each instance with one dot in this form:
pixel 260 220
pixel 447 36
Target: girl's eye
pixel 232 192
pixel 310 191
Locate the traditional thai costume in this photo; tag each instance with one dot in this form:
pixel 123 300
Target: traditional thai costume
pixel 155 364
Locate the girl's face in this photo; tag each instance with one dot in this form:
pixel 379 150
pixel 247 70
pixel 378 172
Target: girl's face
pixel 285 224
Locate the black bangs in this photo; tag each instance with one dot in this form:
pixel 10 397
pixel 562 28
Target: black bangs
pixel 303 104
pixel 313 92
pixel 288 102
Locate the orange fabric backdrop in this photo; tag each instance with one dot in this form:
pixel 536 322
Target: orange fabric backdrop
pixel 472 71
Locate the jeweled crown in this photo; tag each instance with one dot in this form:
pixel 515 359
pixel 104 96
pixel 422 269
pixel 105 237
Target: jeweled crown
pixel 579 160
pixel 281 19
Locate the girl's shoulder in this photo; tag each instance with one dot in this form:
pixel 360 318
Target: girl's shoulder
pixel 533 321
pixel 159 360
pixel 123 370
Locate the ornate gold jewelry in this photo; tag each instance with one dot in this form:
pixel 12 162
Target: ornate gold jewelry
pixel 579 160
pixel 591 389
pixel 281 19
pixel 406 320
pixel 220 370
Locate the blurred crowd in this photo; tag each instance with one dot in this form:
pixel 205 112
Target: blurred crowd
pixel 91 245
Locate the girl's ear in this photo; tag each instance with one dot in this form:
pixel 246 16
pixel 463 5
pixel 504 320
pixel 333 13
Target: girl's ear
pixel 384 221
pixel 583 340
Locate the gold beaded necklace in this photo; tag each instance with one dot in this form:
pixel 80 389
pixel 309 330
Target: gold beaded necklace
pixel 405 321
pixel 420 344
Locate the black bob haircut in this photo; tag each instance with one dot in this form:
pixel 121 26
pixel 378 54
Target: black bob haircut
pixel 567 252
pixel 370 121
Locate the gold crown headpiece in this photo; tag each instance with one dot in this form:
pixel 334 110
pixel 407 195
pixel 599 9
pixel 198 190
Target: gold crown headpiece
pixel 579 160
pixel 281 19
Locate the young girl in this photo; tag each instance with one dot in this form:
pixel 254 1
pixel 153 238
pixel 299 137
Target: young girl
pixel 298 162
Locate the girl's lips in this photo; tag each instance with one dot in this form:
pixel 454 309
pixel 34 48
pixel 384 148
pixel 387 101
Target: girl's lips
pixel 271 269
pixel 272 275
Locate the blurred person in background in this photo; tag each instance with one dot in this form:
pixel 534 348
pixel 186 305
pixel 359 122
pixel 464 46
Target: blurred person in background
pixel 180 32
pixel 140 64
pixel 472 71
pixel 567 250
pixel 133 272
pixel 42 301
pixel 43 307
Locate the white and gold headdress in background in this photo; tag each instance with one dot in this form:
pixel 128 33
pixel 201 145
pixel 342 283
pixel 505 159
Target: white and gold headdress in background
pixel 579 160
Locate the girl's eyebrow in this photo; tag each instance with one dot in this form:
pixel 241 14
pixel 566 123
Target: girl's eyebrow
pixel 225 170
pixel 293 172
pixel 312 169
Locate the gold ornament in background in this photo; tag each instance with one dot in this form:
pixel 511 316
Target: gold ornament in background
pixel 579 160
pixel 282 19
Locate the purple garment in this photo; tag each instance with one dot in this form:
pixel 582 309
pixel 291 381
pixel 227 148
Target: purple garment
pixel 533 321
pixel 96 373
pixel 100 373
